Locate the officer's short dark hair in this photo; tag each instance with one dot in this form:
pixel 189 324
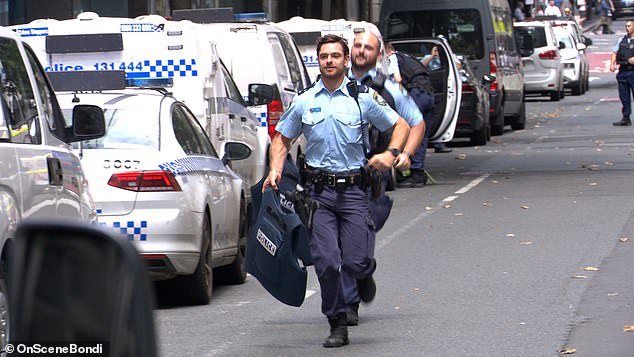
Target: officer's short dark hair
pixel 330 38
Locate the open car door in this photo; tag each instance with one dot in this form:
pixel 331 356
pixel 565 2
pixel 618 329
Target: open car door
pixel 444 75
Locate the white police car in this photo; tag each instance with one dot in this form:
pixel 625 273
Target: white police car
pixel 157 179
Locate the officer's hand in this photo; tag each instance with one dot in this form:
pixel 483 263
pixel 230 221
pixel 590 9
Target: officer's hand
pixel 383 161
pixel 630 60
pixel 273 179
pixel 402 162
pixel 613 67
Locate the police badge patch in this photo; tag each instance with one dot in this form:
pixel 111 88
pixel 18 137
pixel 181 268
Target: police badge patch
pixel 379 100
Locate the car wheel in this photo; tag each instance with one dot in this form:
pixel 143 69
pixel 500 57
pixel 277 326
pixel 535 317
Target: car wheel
pixel 520 121
pixel 562 93
pixel 4 313
pixel 235 273
pixel 497 126
pixel 587 82
pixel 197 288
pixel 479 137
pixel 555 96
pixel 391 181
pixel 577 88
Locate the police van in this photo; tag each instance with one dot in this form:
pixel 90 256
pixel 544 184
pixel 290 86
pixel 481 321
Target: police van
pixel 151 47
pixel 256 51
pixel 40 176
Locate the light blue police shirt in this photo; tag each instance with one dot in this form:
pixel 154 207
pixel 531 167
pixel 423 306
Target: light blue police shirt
pixel 618 43
pixel 331 123
pixel 404 103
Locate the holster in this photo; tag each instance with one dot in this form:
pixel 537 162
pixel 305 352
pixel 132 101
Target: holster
pixel 303 167
pixel 373 180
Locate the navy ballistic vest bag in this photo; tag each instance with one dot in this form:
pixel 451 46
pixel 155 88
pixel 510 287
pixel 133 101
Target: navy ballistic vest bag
pixel 290 179
pixel 270 256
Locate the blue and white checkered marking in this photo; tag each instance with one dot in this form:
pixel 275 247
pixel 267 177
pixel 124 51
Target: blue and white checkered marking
pixel 262 119
pixel 142 27
pixel 132 229
pixel 166 69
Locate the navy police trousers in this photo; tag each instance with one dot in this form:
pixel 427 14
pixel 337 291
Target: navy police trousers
pixel 342 239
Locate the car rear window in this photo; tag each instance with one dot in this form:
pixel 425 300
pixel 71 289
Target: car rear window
pixel 563 36
pixel 135 129
pixel 462 27
pixel 538 33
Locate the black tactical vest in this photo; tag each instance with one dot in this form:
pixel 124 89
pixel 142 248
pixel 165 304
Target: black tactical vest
pixel 626 50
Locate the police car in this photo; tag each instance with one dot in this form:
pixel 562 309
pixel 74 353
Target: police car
pixel 40 176
pixel 157 179
pixel 150 47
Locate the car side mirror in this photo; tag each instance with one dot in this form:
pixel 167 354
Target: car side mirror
pixel 586 40
pixel 88 123
pixel 71 282
pixel 488 78
pixel 561 45
pixel 235 151
pixel 261 94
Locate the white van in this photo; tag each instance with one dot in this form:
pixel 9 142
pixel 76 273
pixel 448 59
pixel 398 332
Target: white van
pixel 260 52
pixel 40 177
pixel 151 47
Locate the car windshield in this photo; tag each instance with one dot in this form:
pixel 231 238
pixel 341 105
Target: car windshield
pixel 136 129
pixel 537 32
pixel 463 28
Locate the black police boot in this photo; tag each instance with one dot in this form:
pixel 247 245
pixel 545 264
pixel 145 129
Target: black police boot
pixel 338 332
pixel 366 289
pixel 352 315
pixel 623 122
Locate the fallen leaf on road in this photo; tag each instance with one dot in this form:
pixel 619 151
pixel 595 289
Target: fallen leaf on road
pixel 628 328
pixel 568 351
pixel 429 208
pixel 591 269
pixel 446 205
pixel 486 204
pixel 397 307
pixel 524 207
pixel 608 163
pixel 623 239
pixel 461 156
pixel 580 277
pixel 495 181
pixel 458 214
pixel 526 243
pixel 613 294
pixel 592 184
pixel 510 235
pixel 593 167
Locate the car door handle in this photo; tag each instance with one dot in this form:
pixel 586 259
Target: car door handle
pixel 243 119
pixel 232 116
pixel 55 173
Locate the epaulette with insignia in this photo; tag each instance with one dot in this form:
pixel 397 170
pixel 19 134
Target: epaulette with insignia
pixel 363 88
pixel 307 88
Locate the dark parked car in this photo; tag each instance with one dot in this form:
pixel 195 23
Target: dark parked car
pixel 473 117
pixel 623 8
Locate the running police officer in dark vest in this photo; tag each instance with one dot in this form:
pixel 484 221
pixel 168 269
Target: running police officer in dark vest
pixel 365 53
pixel 623 59
pixel 333 122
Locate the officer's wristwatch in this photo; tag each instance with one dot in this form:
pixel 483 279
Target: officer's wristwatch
pixel 395 152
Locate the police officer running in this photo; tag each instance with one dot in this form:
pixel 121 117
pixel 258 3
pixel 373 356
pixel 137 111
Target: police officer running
pixel 623 60
pixel 365 53
pixel 332 121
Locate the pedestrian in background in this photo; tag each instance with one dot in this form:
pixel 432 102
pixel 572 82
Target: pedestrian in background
pixel 552 9
pixel 606 9
pixel 623 59
pixel 331 115
pixel 518 13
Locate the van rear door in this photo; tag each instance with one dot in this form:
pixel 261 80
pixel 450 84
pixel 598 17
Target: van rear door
pixel 443 73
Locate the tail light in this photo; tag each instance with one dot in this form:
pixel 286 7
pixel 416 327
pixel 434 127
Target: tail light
pixel 494 70
pixel 467 88
pixel 145 181
pixel 549 55
pixel 274 111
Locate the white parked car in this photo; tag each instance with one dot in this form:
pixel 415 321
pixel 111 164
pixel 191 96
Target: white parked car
pixel 157 179
pixel 574 59
pixel 543 68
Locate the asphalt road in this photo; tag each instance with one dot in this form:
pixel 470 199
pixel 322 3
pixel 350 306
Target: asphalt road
pixel 498 258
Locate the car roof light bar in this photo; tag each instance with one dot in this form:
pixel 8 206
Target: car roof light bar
pixel 98 42
pixel 87 81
